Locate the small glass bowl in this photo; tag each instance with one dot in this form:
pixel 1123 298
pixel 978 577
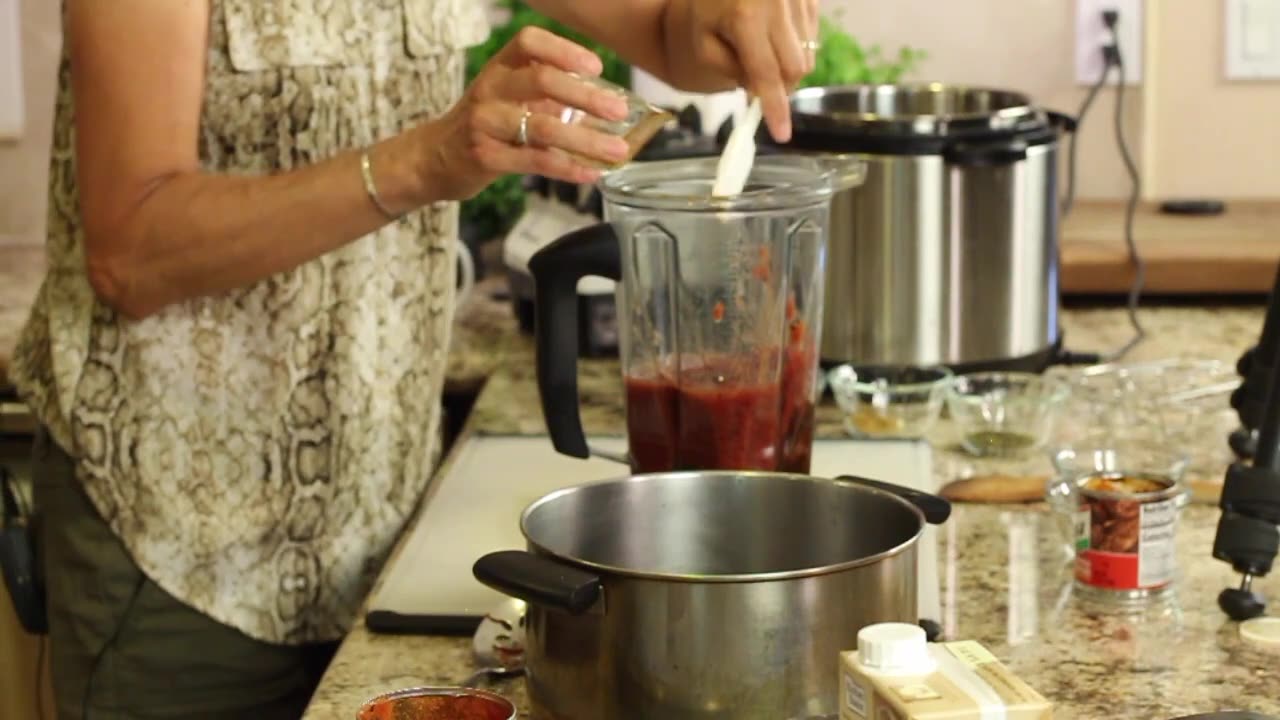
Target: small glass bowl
pixel 1179 402
pixel 643 121
pixel 1004 414
pixel 889 402
pixel 438 703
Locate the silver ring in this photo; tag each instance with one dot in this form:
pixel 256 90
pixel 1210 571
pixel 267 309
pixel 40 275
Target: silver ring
pixel 522 137
pixel 810 44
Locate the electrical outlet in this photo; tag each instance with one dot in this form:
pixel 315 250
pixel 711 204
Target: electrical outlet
pixel 1092 35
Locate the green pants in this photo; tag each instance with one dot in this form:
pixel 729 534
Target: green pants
pixel 123 648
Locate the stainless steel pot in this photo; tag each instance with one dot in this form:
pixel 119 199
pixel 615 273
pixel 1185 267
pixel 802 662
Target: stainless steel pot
pixel 703 595
pixel 948 253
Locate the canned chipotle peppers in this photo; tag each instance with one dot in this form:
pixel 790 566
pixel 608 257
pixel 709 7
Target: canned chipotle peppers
pixel 1125 528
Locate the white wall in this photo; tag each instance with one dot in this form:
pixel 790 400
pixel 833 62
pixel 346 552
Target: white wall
pixel 1192 131
pixel 24 162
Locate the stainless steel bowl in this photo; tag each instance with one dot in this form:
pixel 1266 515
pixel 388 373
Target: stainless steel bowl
pixel 707 595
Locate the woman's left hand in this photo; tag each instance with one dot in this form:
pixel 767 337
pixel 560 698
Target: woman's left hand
pixel 766 46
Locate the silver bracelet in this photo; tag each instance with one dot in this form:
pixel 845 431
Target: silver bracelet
pixel 366 170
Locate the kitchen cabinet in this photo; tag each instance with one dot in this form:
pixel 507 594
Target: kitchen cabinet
pixel 1232 253
pixel 20 653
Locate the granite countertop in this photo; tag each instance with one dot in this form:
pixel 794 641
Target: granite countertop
pixel 1005 577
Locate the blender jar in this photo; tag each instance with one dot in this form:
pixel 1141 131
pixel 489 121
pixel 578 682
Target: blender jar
pixel 719 312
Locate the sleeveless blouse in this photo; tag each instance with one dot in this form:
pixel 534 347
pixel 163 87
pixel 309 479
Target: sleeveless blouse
pixel 258 451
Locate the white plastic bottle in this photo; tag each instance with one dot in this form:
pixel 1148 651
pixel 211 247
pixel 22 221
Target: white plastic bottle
pixel 885 650
pixel 896 674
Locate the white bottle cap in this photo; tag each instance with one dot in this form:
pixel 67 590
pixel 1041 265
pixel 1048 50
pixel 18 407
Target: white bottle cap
pixel 899 648
pixel 1261 630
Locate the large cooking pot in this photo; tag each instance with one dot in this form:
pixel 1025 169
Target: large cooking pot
pixel 700 595
pixel 948 252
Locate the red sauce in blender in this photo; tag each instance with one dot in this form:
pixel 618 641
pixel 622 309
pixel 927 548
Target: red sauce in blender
pixel 727 413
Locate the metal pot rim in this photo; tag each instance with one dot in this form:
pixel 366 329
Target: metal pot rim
pixel 1019 111
pixel 616 571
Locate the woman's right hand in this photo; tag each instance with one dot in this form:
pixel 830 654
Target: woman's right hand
pixel 478 140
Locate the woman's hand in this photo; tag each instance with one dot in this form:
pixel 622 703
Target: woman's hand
pixel 529 82
pixel 767 46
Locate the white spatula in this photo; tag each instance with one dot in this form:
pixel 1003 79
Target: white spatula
pixel 739 154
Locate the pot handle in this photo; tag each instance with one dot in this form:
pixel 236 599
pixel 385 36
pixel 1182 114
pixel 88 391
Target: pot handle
pixel 932 630
pixel 988 155
pixel 556 270
pixel 538 580
pixel 936 509
pixel 1062 120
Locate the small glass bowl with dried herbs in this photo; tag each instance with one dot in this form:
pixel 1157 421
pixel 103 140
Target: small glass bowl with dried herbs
pixel 1005 414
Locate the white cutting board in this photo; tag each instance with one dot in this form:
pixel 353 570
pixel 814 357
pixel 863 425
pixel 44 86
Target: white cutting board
pixel 475 509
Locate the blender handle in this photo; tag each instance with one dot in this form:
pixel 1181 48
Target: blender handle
pixel 556 270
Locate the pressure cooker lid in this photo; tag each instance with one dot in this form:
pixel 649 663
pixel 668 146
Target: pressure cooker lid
pixel 911 119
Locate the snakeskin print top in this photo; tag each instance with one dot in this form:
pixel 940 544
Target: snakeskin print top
pixel 258 452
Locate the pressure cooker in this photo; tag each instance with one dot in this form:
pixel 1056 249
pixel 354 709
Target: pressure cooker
pixel 948 252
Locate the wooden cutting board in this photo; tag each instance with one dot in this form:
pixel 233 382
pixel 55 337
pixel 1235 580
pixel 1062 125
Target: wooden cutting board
pixel 1235 252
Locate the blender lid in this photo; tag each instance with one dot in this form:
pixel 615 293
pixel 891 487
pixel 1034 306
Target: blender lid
pixel 913 118
pixel 776 182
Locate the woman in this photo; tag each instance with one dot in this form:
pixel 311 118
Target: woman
pixel 238 351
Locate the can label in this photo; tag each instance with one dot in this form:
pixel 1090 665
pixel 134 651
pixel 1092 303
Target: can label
pixel 1126 544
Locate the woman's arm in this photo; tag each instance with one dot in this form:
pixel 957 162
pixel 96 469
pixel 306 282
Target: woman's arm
pixel 158 230
pixel 706 45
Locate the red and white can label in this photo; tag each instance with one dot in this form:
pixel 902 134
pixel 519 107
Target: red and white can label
pixel 1126 544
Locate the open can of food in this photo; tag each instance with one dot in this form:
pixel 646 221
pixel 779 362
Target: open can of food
pixel 1125 532
pixel 438 703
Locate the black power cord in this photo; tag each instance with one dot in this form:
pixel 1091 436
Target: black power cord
pixel 1113 58
pixel 1070 200
pixel 1116 58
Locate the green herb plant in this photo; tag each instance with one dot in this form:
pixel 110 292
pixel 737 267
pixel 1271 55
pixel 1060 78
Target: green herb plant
pixel 842 60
